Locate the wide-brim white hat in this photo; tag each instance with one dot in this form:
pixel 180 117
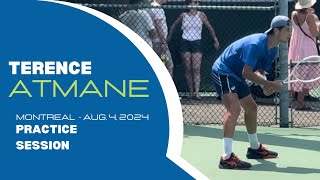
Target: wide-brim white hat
pixel 302 4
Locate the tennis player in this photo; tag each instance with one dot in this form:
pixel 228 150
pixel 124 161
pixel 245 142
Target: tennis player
pixel 247 58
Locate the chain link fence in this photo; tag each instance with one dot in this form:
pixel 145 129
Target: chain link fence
pixel 189 36
pixel 304 97
pixel 302 117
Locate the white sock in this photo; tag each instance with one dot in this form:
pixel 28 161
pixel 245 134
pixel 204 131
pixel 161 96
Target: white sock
pixel 227 148
pixel 253 139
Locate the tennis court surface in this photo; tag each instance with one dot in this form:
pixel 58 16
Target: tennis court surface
pixel 298 148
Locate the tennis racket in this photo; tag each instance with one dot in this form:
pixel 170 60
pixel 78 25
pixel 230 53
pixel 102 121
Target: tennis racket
pixel 305 71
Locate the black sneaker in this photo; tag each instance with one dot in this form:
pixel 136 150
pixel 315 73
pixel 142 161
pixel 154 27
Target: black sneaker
pixel 261 153
pixel 234 163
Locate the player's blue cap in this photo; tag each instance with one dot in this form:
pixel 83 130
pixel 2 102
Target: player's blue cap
pixel 279 21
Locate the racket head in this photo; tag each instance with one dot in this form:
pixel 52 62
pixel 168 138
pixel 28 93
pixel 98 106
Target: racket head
pixel 305 71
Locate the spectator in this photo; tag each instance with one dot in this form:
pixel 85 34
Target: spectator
pixel 302 45
pixel 160 45
pixel 192 22
pixel 139 21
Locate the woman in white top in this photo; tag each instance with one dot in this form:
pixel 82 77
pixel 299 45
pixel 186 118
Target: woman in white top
pixel 192 22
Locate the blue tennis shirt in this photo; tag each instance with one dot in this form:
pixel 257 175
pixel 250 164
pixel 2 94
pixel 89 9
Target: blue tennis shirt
pixel 251 50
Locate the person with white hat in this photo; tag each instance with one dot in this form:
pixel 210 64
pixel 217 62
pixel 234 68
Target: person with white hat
pixel 247 58
pixel 302 45
pixel 304 4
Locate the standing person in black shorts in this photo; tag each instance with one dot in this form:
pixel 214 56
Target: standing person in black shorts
pixel 192 22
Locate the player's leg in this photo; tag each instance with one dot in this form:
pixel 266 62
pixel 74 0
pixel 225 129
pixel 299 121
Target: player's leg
pixel 228 91
pixel 250 109
pixel 256 149
pixel 232 104
pixel 230 100
pixel 250 118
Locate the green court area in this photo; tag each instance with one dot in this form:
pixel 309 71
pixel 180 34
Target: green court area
pixel 298 148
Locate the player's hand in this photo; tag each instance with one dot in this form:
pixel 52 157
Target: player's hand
pixel 274 86
pixel 277 85
pixel 268 90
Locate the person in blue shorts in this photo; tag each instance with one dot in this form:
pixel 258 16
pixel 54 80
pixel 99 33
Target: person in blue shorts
pixel 248 58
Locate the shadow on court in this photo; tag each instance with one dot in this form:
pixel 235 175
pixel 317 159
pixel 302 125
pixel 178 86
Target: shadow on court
pixel 272 139
pixel 271 166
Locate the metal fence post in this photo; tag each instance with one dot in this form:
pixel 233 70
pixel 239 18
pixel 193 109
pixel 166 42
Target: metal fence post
pixel 284 94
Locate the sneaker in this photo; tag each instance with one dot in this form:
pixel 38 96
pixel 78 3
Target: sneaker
pixel 261 153
pixel 234 163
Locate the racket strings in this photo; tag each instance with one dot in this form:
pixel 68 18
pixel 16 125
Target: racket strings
pixel 307 70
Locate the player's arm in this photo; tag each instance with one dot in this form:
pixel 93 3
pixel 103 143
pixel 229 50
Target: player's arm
pixel 174 26
pixel 250 55
pixel 261 72
pixel 255 77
